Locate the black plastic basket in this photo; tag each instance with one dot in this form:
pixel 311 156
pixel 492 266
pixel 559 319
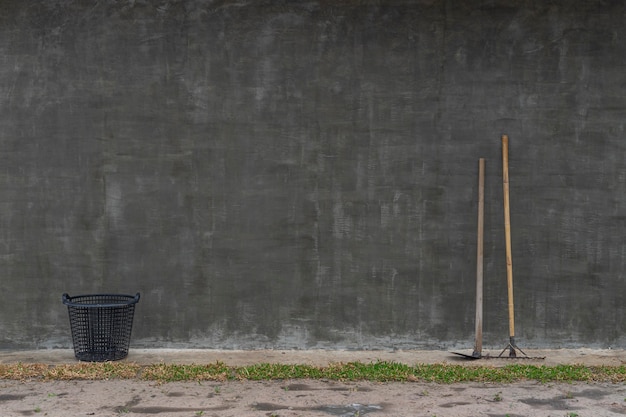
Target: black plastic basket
pixel 101 325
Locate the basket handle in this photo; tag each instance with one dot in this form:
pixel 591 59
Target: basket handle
pixel 67 299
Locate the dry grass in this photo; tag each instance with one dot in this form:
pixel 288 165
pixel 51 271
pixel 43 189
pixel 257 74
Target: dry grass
pixel 22 371
pixel 79 371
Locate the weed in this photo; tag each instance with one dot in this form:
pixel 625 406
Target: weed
pixel 200 413
pixel 217 389
pixel 572 414
pixel 497 397
pixel 37 409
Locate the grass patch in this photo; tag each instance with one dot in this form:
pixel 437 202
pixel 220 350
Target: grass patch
pixel 170 373
pixel 352 371
pixel 92 371
pixel 85 371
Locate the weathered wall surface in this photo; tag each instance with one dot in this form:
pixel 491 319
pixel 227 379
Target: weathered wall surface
pixel 304 174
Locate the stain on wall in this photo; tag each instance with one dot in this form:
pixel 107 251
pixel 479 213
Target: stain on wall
pixel 304 174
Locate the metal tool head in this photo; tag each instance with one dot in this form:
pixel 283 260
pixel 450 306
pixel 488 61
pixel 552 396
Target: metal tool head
pixel 475 355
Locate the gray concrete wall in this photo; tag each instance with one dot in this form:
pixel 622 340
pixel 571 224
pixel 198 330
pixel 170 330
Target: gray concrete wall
pixel 304 174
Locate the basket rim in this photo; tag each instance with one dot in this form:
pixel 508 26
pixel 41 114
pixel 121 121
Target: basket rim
pixel 68 300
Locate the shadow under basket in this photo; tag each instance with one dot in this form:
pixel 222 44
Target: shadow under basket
pixel 101 325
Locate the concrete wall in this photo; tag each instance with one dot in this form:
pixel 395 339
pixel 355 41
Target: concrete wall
pixel 304 174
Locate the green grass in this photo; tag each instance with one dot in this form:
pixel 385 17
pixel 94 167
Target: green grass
pixel 352 371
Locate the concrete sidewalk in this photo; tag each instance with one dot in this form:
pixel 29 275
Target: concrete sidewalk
pixel 589 357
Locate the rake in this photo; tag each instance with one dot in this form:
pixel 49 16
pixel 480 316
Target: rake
pixel 511 346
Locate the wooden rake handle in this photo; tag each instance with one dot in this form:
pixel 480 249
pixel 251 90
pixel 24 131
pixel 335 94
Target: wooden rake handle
pixel 507 232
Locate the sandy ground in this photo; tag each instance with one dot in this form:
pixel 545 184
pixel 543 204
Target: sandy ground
pixel 311 397
pixel 308 398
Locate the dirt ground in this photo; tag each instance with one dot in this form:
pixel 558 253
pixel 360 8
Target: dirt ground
pixel 293 398
pixel 308 398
